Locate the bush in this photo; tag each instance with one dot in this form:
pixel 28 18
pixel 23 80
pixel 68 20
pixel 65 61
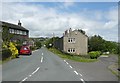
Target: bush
pixel 18 47
pixel 32 47
pixel 13 49
pixel 94 54
pixel 38 44
pixel 6 53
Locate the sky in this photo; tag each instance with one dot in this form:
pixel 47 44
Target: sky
pixel 43 19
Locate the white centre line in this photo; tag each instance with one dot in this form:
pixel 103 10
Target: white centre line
pixel 80 74
pixel 24 79
pixel 82 80
pixel 42 53
pixel 76 72
pixel 64 60
pixel 36 70
pixel 67 63
pixel 41 59
pixel 70 66
pixel 30 75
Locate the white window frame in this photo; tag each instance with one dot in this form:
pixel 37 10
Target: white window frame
pixel 71 50
pixel 71 40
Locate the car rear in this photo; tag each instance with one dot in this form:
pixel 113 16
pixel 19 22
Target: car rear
pixel 25 50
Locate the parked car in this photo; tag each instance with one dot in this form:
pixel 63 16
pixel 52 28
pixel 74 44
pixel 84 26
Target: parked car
pixel 25 50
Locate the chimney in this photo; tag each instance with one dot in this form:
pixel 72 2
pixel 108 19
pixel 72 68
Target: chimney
pixel 70 30
pixel 66 32
pixel 19 23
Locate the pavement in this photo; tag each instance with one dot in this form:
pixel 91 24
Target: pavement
pixel 43 65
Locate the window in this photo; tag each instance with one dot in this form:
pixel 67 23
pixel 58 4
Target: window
pixel 25 33
pixel 68 49
pixel 11 30
pixel 20 32
pixel 15 31
pixel 71 50
pixel 71 40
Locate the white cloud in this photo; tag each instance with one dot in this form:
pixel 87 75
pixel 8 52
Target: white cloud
pixel 43 21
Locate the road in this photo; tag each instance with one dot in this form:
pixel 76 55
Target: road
pixel 42 65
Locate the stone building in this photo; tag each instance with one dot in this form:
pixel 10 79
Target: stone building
pixel 74 42
pixel 17 32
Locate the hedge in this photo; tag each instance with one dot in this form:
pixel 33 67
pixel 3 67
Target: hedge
pixel 6 53
pixel 94 54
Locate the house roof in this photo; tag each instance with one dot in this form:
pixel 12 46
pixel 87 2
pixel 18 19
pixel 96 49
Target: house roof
pixel 10 25
pixel 80 31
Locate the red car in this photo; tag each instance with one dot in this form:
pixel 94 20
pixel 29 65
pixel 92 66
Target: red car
pixel 25 50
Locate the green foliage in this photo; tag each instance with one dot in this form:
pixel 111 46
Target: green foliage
pixel 5 34
pixel 32 48
pixel 18 47
pixel 38 44
pixel 11 47
pixel 50 42
pixel 94 54
pixel 6 53
pixel 71 57
pixel 97 43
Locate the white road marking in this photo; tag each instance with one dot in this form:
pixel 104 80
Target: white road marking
pixel 24 79
pixel 70 66
pixel 80 74
pixel 30 75
pixel 42 53
pixel 67 63
pixel 64 60
pixel 36 70
pixel 41 59
pixel 82 80
pixel 76 72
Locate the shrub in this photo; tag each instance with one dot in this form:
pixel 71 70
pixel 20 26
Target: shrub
pixel 6 53
pixel 18 47
pixel 32 47
pixel 13 49
pixel 38 44
pixel 94 54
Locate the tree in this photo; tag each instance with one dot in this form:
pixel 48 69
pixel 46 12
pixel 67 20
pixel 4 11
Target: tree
pixel 6 36
pixel 38 44
pixel 50 42
pixel 111 46
pixel 96 43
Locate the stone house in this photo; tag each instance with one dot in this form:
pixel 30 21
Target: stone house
pixel 18 32
pixel 74 42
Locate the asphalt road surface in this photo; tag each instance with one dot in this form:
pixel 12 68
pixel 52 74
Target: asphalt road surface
pixel 42 65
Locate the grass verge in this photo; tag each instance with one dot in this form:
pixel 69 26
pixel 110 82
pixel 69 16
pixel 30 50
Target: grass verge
pixel 74 58
pixel 0 62
pixel 113 69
